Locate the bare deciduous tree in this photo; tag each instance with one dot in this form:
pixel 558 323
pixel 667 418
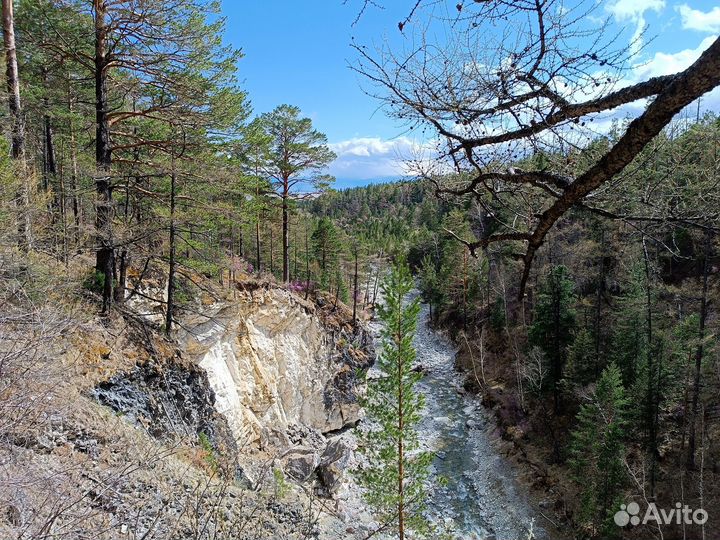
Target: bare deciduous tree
pixel 519 80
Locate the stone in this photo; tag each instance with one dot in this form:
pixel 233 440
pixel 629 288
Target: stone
pixel 273 438
pixel 273 363
pixel 243 479
pixel 44 442
pixel 13 516
pixel 300 462
pixel 333 463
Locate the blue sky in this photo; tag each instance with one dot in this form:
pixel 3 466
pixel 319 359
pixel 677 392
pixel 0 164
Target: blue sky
pixel 298 52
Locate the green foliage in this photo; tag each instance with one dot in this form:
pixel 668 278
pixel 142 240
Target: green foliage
pixel 184 292
pixel 629 340
pixel 395 478
pixel 430 282
pixel 326 248
pixel 297 153
pixel 497 314
pixel 341 288
pixel 210 457
pixel 94 281
pixel 390 217
pixel 554 320
pixel 582 365
pixel 282 487
pixel 459 272
pixel 597 451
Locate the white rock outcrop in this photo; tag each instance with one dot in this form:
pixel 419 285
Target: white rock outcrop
pixel 272 363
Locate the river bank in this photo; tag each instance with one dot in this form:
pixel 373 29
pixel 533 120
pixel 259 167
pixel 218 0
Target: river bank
pixel 476 493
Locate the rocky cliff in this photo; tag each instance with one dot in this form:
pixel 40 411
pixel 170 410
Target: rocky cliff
pixel 111 430
pixel 274 361
pixel 263 374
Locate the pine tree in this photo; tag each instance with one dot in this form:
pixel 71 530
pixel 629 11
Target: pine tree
pixel 395 478
pixel 458 274
pixel 582 365
pixel 298 155
pixel 430 285
pixel 629 339
pixel 553 324
pixel 598 451
pixel 326 247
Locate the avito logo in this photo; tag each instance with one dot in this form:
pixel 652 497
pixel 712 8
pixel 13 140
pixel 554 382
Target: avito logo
pixel 630 515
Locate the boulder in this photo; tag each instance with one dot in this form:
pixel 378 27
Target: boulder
pixel 300 463
pixel 333 463
pixel 243 477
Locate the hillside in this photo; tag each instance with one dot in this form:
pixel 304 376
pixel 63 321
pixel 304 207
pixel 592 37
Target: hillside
pixel 115 430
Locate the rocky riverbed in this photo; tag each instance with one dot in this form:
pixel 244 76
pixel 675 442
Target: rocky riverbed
pixel 482 498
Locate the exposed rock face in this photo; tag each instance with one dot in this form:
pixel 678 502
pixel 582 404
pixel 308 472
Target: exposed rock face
pixel 167 398
pixel 272 363
pixel 263 371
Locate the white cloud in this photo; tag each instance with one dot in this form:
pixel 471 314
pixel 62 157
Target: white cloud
pixel 667 63
pixel 631 10
pixel 369 146
pixel 663 63
pixel 634 11
pixel 373 157
pixel 694 19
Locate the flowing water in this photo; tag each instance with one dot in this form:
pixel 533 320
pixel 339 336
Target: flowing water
pixel 482 499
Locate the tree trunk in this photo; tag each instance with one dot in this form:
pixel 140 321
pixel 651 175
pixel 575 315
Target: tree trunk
pixel 401 429
pixel 231 269
pixel 74 174
pixel 295 252
pixel 258 259
pixel 49 158
pixel 62 198
pixel 18 125
pixel 375 286
pixel 241 243
pixel 465 288
pixel 51 179
pixel 337 290
pixel 355 289
pixel 286 234
pixel 104 260
pixel 171 262
pixel 598 303
pixel 557 367
pixel 366 298
pixel 307 264
pixel 272 252
pixel 699 353
pixel 651 399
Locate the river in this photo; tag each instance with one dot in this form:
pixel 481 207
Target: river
pixel 482 498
